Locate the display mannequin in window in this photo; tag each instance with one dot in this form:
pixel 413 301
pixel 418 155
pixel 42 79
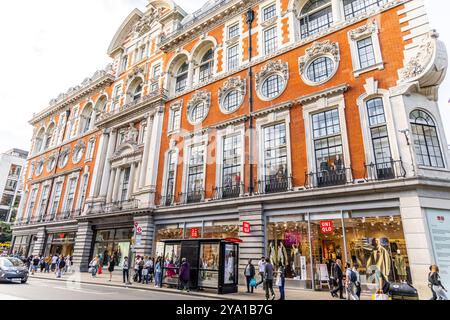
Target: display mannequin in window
pixel 400 266
pixel 380 258
pixel 338 163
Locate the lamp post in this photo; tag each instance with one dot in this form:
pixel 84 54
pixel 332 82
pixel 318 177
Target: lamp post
pixel 250 18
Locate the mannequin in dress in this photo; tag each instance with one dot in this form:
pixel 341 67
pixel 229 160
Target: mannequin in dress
pixel 380 257
pixel 400 266
pixel 272 254
pixel 282 255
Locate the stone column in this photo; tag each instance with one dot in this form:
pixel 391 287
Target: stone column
pixel 151 167
pixel 420 252
pixel 116 185
pixel 337 11
pixel 147 237
pixel 105 182
pixel 40 242
pixel 111 186
pixel 253 246
pixel 100 165
pixel 191 72
pixel 131 182
pixel 83 245
pixel 146 155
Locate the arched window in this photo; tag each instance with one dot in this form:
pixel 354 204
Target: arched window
pixel 426 140
pixel 86 119
pixel 353 8
pixel 181 78
pixel 49 136
pixel 315 16
pixel 206 66
pixel 138 92
pixel 39 141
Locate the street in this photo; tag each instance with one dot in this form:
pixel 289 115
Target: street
pixel 52 290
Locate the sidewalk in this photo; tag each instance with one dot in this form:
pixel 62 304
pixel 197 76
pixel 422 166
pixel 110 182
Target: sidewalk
pixel 259 295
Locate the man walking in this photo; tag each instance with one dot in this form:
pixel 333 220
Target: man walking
pixel 126 271
pixel 261 269
pixel 268 279
pixel 338 276
pixel 54 261
pixel 61 266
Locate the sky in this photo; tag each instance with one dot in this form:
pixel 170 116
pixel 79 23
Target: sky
pixel 49 46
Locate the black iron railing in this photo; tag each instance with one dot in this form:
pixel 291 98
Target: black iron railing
pixel 275 184
pixel 121 205
pixel 385 171
pixel 166 201
pixel 192 196
pixel 228 192
pixel 328 178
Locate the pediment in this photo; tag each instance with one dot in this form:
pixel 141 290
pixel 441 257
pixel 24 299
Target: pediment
pixel 127 26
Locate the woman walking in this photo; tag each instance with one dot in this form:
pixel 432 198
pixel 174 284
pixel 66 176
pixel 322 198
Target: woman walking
pixel 436 283
pixel 281 280
pixel 111 266
pixel 158 272
pixel 94 265
pixel 249 273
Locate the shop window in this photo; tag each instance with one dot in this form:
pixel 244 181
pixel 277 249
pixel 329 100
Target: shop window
pixel 114 243
pixel 172 262
pixel 60 244
pixel 175 232
pixel 20 247
pixel 221 230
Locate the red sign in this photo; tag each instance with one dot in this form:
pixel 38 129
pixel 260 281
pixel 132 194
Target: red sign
pixel 441 218
pixel 326 227
pixel 136 224
pixel 195 233
pixel 61 235
pixel 246 227
pixel 234 240
pixel 139 230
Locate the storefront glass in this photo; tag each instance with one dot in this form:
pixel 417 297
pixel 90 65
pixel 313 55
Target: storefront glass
pixel 20 246
pixel 167 232
pixel 115 243
pixel 209 265
pixel 221 230
pixel 171 263
pixel 60 244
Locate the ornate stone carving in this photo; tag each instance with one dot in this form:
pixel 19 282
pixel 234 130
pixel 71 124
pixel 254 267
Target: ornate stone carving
pixel 318 49
pixel 144 25
pixel 137 71
pixel 198 97
pixel 365 30
pixel 235 83
pixel 280 67
pixel 418 63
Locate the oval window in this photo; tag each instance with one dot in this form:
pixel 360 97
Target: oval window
pixel 232 101
pixel 198 113
pixel 273 86
pixel 320 70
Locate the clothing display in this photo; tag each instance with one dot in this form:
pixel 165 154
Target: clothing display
pixel 380 258
pixel 400 266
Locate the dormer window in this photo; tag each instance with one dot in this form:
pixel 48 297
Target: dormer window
pixel 353 8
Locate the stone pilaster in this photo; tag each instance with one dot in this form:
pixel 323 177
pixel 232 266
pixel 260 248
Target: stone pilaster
pixel 40 242
pixel 83 245
pixel 147 237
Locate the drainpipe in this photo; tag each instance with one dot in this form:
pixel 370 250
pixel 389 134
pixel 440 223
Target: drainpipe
pixel 250 19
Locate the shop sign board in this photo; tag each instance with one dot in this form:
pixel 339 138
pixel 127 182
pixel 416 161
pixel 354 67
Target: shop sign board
pixel 439 225
pixel 195 233
pixel 326 227
pixel 246 227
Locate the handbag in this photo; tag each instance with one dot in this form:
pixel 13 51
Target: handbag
pixel 278 282
pixel 253 283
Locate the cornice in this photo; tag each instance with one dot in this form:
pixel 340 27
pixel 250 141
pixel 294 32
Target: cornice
pixel 324 93
pixel 271 109
pixel 231 122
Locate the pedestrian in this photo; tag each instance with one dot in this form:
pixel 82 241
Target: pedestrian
pixel 93 266
pixel 261 268
pixel 140 269
pixel 48 262
pixel 136 269
pixel 158 272
pixel 430 285
pixel 338 277
pixel 111 266
pixel 54 261
pixel 438 288
pixel 350 282
pixel 42 264
pixel 126 271
pixel 268 279
pixel 151 268
pixel 358 281
pixel 61 266
pixel 145 271
pixel 249 273
pixel 68 265
pixel 281 280
pixel 35 264
pixel 185 273
pixel 100 261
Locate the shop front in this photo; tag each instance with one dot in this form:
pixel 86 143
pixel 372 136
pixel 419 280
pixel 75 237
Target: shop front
pixel 60 244
pixel 20 246
pixel 112 243
pixel 309 244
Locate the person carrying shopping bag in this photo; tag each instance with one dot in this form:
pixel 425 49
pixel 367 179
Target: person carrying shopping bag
pixel 249 273
pixel 435 280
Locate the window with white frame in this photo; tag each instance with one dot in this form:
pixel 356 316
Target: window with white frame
pixel 269 12
pixel 320 69
pixel 275 153
pixel 232 101
pixel 181 80
pixel 328 148
pixel 366 53
pixel 270 40
pixel 31 171
pixel 116 96
pixel 138 92
pixel 125 184
pixel 175 119
pixel 233 57
pixel 170 179
pixel 83 191
pixel 198 113
pixel 231 165
pixel 426 140
pixel 31 203
pixel 44 199
pixel 90 149
pixel 273 86
pixel 353 8
pixel 206 66
pixel 315 16
pixel 195 169
pixel 71 189
pixel 156 73
pixel 56 199
pixel 233 31
pixel 124 63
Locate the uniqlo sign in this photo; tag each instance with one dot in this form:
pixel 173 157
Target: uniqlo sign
pixel 195 233
pixel 326 227
pixel 246 227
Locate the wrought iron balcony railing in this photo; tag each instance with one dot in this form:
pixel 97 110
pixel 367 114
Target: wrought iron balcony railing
pixel 275 184
pixel 228 192
pixel 194 196
pixel 121 205
pixel 328 178
pixel 385 171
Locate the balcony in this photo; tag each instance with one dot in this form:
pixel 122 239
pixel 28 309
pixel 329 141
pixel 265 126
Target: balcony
pixel 228 192
pixel 328 178
pixel 385 171
pixel 118 206
pixel 195 196
pixel 166 201
pixel 274 184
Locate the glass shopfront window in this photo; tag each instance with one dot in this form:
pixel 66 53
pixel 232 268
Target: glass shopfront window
pixel 167 232
pixel 60 244
pixel 209 265
pixel 20 247
pixel 115 242
pixel 375 243
pixel 172 263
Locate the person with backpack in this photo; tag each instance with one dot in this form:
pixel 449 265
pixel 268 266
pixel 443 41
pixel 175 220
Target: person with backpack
pixel 350 282
pixel 93 266
pixel 249 273
pixel 35 264
pixel 61 266
pixel 435 280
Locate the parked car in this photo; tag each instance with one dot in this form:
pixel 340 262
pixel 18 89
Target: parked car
pixel 13 270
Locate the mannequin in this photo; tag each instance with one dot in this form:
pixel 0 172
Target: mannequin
pixel 295 254
pixel 380 258
pixel 282 255
pixel 400 266
pixel 272 254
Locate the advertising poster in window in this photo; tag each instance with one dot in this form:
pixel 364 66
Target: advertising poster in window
pixel 439 225
pixel 230 270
